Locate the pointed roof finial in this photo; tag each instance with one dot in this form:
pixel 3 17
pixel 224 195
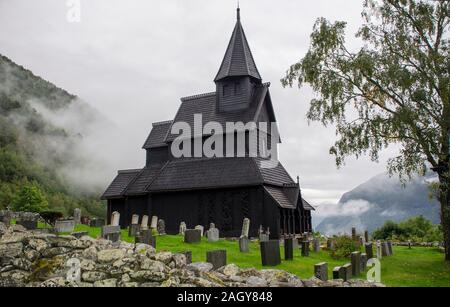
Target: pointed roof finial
pixel 238 11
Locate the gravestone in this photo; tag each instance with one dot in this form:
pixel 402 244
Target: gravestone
pixel 321 271
pixel 389 245
pixel 245 227
pixel 356 263
pixel 115 218
pixel 244 244
pixel 77 216
pixel 188 255
pixel 201 228
pixel 111 233
pixel 305 248
pixel 135 219
pixel 28 220
pixel 347 271
pixel 366 235
pixel 97 223
pixel 146 237
pixel 288 249
pixel 384 249
pixel 144 222
pixel 217 258
pixel 133 230
pixel 369 250
pixel 192 236
pixel 379 251
pixel 338 273
pixel 330 244
pixel 316 245
pixel 161 227
pixel 182 228
pixel 409 244
pixel 363 262
pixel 64 226
pixel 353 233
pixel 154 222
pixel 263 237
pixel 213 234
pixel 80 234
pixel 270 253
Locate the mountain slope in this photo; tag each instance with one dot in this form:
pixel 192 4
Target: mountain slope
pixel 39 140
pixel 380 199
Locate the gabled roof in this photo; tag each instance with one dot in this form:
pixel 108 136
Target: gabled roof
pixel 280 197
pixel 120 183
pixel 206 105
pixel 157 135
pixel 307 205
pixel 238 59
pixel 140 183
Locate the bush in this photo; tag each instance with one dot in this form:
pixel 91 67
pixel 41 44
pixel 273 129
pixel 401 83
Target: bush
pixel 343 247
pixel 417 229
pixel 30 199
pixel 50 217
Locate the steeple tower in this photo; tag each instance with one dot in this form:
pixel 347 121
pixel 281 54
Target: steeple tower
pixel 238 73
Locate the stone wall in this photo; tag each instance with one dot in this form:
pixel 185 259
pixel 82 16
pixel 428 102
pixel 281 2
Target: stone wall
pixel 45 260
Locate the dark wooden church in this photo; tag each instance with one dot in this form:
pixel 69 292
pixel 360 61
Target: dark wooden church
pixel 216 190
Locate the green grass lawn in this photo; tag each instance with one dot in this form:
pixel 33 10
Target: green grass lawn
pixel 417 267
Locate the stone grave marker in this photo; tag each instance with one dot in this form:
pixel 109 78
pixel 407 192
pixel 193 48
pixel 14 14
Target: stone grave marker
pixel 270 253
pixel 182 228
pixel 384 249
pixel 347 271
pixel 244 244
pixel 135 219
pixel 192 236
pixel 288 249
pixel 245 227
pixel 201 228
pixel 379 251
pixel 115 218
pixel 366 235
pixel 338 273
pixel 97 223
pixel 363 262
pixel 146 237
pixel 161 227
pixel 77 216
pixel 369 250
pixel 133 230
pixel 64 226
pixel 356 263
pixel 353 233
pixel 390 250
pixel 111 233
pixel 305 248
pixel 330 244
pixel 144 222
pixel 154 222
pixel 316 245
pixel 213 233
pixel 321 271
pixel 217 258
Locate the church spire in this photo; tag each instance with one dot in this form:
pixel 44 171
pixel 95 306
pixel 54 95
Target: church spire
pixel 238 60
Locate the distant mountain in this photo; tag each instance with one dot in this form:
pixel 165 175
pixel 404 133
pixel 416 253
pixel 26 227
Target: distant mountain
pixel 380 199
pixel 42 128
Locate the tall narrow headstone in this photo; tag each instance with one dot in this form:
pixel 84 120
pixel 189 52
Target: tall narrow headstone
pixel 201 228
pixel 115 219
pixel 182 228
pixel 356 263
pixel 363 262
pixel 366 235
pixel 347 271
pixel 379 252
pixel 144 222
pixel 316 245
pixel 161 227
pixel 321 271
pixel 384 249
pixel 353 233
pixel 217 258
pixel 390 250
pixel 77 216
pixel 305 248
pixel 330 244
pixel 288 249
pixel 146 237
pixel 154 222
pixel 369 250
pixel 244 244
pixel 270 253
pixel 245 227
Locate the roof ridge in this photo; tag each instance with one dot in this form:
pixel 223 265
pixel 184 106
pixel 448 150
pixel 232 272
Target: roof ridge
pixel 126 171
pixel 183 99
pixel 162 123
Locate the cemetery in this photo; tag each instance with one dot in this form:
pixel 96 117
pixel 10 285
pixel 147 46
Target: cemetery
pixel 41 256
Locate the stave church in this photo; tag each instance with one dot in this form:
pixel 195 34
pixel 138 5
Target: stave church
pixel 221 190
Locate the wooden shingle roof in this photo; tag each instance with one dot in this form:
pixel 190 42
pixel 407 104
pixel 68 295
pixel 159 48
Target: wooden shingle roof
pixel 307 206
pixel 280 197
pixel 238 59
pixel 157 135
pixel 120 183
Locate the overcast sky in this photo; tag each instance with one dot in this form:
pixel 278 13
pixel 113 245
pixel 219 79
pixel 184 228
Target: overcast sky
pixel 134 59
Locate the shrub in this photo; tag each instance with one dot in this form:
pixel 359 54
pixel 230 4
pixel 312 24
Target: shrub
pixel 30 199
pixel 417 229
pixel 343 247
